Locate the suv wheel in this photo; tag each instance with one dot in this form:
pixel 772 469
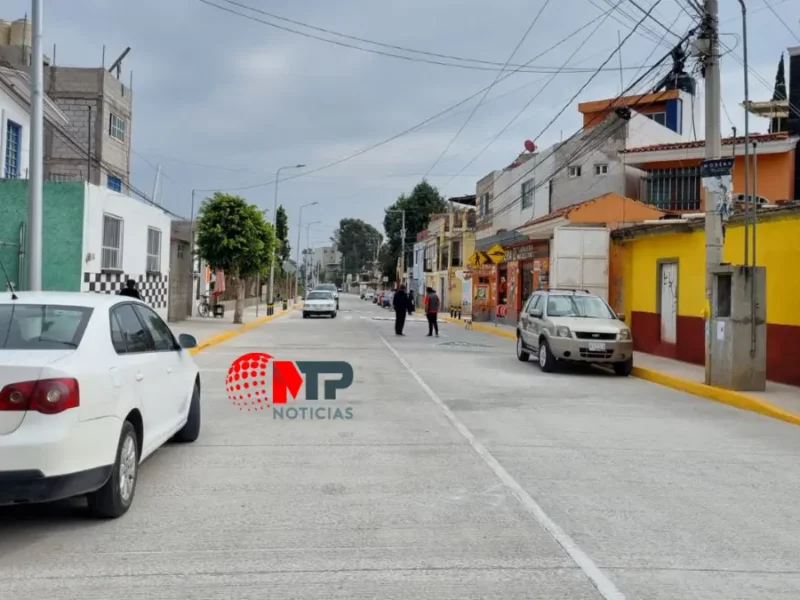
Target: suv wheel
pixel 116 496
pixel 522 354
pixel 547 362
pixel 624 368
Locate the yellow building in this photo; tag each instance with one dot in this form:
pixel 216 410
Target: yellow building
pixel 657 279
pixel 450 240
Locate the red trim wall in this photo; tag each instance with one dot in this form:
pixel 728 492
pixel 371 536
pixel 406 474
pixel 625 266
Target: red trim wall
pixel 783 344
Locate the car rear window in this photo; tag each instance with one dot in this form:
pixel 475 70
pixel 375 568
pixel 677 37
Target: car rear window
pixel 42 326
pixel 319 296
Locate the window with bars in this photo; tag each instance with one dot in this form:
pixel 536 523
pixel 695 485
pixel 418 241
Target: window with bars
pixel 601 169
pixel 527 194
pixel 111 256
pixel 456 259
pixel 673 190
pixel 117 128
pixel 13 146
pixel 153 250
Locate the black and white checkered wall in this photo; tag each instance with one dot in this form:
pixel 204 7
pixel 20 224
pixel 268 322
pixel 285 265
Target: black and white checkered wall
pixel 153 288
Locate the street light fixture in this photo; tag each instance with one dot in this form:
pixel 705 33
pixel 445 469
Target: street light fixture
pixel 299 229
pixel 275 224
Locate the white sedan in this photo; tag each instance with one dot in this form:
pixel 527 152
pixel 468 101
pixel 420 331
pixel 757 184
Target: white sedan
pixel 320 303
pixel 90 386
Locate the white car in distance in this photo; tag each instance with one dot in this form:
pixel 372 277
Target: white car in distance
pixel 320 303
pixel 90 386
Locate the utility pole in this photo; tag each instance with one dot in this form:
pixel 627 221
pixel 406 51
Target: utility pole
pixel 713 219
pixel 299 230
pixel 403 250
pixel 270 304
pixel 35 185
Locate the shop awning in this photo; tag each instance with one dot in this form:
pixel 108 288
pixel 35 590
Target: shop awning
pixel 505 238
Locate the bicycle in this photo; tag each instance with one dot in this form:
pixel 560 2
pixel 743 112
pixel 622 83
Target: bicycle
pixel 203 307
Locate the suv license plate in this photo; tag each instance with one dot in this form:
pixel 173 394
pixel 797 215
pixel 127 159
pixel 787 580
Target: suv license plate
pixel 596 347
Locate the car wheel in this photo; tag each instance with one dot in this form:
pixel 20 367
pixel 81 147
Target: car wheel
pixel 624 368
pixel 522 354
pixel 115 497
pixel 547 362
pixel 333 315
pixel 191 431
pixel 305 315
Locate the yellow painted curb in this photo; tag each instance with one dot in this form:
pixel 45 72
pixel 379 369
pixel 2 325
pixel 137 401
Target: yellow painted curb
pixel 729 397
pixel 721 395
pixel 232 333
pixel 485 328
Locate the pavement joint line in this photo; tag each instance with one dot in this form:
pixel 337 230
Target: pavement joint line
pixel 232 333
pixel 607 589
pixel 709 392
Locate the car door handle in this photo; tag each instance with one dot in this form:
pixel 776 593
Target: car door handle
pixel 169 370
pixel 139 376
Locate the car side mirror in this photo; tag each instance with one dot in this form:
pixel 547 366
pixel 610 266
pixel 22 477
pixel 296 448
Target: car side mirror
pixel 187 341
pixel 621 317
pixel 536 314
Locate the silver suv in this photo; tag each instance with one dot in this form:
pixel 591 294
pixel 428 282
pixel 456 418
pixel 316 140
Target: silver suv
pixel 573 326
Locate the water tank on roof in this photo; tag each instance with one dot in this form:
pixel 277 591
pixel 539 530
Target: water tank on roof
pixel 21 34
pixel 5 32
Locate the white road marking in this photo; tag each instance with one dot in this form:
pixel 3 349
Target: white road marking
pixel 604 585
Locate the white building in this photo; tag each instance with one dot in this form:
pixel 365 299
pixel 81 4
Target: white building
pixel 15 122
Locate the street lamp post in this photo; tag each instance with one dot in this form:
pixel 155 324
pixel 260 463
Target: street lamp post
pixel 299 229
pixel 258 276
pixel 308 244
pixel 270 306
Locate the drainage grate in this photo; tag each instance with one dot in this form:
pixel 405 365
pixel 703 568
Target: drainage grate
pixel 464 345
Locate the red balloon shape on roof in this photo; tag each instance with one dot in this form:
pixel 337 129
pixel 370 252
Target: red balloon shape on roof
pixel 530 146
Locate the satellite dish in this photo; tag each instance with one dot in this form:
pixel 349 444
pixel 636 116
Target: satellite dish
pixel 530 146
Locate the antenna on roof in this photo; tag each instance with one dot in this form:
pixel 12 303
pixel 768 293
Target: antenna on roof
pixel 117 65
pixel 8 283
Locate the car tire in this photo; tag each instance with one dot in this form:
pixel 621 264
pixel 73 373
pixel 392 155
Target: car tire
pixel 547 362
pixel 624 368
pixel 191 430
pixel 333 315
pixel 305 315
pixel 522 354
pixel 113 499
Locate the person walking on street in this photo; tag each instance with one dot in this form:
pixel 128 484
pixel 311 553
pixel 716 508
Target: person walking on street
pixel 131 291
pixel 432 311
pixel 400 305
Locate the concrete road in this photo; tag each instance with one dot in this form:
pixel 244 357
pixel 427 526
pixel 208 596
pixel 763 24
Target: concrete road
pixel 463 474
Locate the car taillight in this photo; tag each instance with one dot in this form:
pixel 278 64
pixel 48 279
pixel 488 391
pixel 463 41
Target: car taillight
pixel 47 396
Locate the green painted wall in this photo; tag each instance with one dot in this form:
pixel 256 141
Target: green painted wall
pixel 62 230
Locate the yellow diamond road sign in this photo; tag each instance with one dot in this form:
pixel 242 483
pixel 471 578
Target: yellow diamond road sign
pixel 496 253
pixel 477 259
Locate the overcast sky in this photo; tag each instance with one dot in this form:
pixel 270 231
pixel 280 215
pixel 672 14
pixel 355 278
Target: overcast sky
pixel 221 101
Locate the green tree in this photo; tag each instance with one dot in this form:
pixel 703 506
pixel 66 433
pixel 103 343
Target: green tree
pixel 358 242
pixel 423 202
pixel 232 236
pixel 283 251
pixel 778 94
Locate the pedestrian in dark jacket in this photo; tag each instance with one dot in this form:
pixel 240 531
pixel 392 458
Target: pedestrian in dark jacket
pixel 432 311
pixel 400 305
pixel 130 290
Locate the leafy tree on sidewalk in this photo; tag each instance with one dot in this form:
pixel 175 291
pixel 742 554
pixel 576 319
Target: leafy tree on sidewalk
pixel 358 242
pixel 232 236
pixel 423 202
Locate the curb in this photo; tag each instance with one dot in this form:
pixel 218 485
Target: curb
pixel 232 333
pixel 708 392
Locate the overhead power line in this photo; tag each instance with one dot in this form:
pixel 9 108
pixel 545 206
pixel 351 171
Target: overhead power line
pixel 405 132
pixel 488 89
pixel 479 67
pixel 782 22
pixel 535 96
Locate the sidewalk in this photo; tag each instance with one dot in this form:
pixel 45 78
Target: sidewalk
pixel 783 396
pixel 209 331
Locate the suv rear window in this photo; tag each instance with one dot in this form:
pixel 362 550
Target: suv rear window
pixel 42 326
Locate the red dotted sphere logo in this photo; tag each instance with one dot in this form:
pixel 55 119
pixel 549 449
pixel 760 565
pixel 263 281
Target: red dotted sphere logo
pixel 247 381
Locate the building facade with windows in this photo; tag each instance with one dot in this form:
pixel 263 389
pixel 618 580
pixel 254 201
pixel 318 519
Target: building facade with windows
pixel 94 240
pixel 15 121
